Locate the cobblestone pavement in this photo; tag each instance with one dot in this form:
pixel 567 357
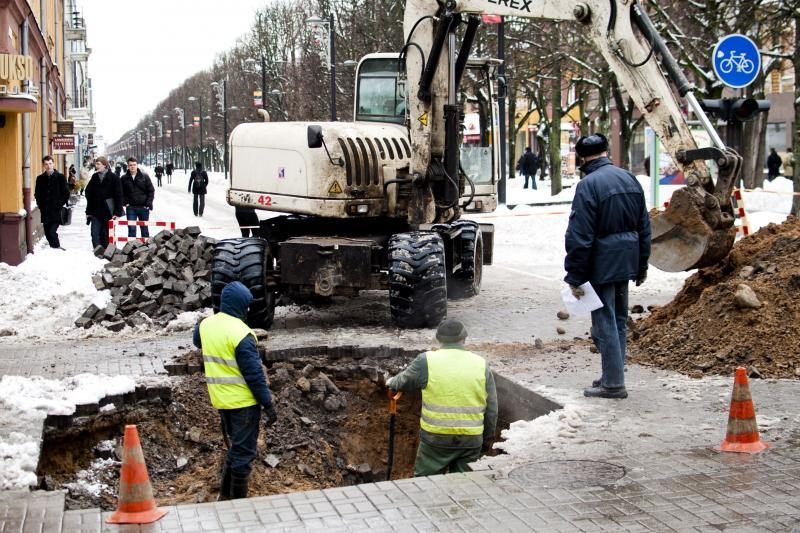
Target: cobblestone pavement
pixel 690 490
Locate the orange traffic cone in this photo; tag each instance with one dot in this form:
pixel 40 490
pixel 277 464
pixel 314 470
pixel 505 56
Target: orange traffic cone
pixel 742 435
pixel 136 502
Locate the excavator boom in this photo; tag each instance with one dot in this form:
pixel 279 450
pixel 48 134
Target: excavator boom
pixel 697 228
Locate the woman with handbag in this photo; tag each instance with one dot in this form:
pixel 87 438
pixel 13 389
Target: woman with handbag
pixel 51 193
pixel 103 201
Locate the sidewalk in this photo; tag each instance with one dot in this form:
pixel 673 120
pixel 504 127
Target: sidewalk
pixel 689 490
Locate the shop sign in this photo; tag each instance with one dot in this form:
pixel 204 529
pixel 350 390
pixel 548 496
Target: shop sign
pixel 15 69
pixel 63 144
pixel 65 127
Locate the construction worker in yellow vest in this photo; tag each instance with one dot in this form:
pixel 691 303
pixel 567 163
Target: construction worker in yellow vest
pixel 236 384
pixel 459 403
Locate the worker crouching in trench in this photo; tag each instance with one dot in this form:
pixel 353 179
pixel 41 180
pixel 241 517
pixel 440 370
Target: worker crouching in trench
pixel 459 403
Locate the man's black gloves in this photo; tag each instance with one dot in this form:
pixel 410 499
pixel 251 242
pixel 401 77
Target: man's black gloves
pixel 641 278
pixel 272 416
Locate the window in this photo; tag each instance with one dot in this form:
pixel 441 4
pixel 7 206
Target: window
pixel 380 99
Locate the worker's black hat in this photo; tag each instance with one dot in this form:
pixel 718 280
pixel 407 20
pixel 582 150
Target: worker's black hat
pixel 451 332
pixel 594 144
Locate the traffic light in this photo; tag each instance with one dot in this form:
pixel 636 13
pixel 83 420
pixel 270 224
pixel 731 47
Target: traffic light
pixel 739 110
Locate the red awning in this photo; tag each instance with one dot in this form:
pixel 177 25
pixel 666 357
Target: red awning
pixel 22 103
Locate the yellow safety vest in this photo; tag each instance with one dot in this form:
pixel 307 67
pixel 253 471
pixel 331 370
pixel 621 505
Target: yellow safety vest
pixel 220 334
pixel 454 400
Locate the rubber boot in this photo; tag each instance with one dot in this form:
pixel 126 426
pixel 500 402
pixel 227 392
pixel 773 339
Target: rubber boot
pixel 239 486
pixel 225 485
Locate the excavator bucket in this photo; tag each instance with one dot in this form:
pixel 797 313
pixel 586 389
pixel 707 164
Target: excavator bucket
pixel 682 238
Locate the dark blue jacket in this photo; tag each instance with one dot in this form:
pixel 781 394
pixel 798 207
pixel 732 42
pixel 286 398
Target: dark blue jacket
pixel 608 237
pixel 235 300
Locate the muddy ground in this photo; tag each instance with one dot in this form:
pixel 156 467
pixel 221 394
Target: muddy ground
pixel 704 330
pixel 332 430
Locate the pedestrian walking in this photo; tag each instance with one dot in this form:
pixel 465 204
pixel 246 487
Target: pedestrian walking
pixel 159 170
pixel 83 180
pixel 170 169
pixel 51 192
pixel 137 195
pixel 774 163
pixel 607 244
pixel 236 384
pixel 247 218
pixel 103 201
pixel 198 185
pixel 72 180
pixel 459 403
pixel 528 165
pixel 118 169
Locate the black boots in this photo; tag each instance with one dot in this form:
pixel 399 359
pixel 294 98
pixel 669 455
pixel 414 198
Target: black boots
pixel 239 486
pixel 618 393
pixel 225 485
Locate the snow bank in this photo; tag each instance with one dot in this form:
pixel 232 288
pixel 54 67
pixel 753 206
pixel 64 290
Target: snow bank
pixel 59 397
pixel 48 291
pixel 27 401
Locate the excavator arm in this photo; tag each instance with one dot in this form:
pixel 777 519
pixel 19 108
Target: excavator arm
pixel 697 228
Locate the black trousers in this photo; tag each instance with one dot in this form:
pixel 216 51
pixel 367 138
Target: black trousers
pixel 51 233
pixel 199 204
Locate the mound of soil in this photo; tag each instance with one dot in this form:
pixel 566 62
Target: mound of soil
pixel 332 430
pixel 706 329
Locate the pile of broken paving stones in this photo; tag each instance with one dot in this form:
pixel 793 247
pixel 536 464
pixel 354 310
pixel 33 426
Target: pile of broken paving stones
pixel 153 282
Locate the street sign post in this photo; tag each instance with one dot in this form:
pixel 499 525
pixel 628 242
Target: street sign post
pixel 736 60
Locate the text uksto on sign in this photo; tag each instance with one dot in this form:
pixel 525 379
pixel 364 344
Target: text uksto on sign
pixel 16 67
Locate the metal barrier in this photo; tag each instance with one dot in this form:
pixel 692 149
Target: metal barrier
pixel 112 224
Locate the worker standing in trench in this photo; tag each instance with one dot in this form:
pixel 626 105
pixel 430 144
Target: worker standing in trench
pixel 236 383
pixel 459 403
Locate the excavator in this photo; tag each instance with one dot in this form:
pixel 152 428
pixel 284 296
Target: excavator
pixel 377 203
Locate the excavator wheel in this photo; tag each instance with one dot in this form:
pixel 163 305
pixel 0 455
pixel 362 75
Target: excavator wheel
pixel 417 280
pixel 245 260
pixel 466 282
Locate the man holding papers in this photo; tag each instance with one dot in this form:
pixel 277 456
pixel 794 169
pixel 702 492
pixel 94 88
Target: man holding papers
pixel 607 244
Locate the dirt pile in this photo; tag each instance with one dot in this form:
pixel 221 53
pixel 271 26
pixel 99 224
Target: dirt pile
pixel 332 430
pixel 741 312
pixel 153 282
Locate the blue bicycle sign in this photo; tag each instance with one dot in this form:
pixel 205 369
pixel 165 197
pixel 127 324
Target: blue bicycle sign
pixel 736 60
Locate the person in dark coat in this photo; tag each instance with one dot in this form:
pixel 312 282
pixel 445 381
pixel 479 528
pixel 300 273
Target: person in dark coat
pixel 198 185
pixel 528 165
pixel 159 170
pixel 774 163
pixel 103 201
pixel 118 170
pixel 247 218
pixel 607 244
pixel 137 196
pixel 170 168
pixel 51 193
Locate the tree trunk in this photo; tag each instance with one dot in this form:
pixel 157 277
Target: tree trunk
pixel 753 138
pixel 555 129
pixel 511 135
pixel 796 135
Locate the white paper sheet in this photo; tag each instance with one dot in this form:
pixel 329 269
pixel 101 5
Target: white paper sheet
pixel 583 305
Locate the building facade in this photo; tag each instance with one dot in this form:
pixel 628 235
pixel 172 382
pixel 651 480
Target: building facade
pixel 38 84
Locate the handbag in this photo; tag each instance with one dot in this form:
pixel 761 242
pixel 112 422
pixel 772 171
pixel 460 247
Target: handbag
pixel 66 215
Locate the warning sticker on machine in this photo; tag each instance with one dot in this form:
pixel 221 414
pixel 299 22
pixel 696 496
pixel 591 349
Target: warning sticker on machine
pixel 335 188
pixel 423 119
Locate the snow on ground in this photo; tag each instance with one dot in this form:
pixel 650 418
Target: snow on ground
pixel 53 287
pixel 26 402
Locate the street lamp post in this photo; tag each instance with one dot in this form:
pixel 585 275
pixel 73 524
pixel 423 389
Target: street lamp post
pixel 328 24
pixel 182 116
pixel 221 92
pixel 163 142
pixel 200 103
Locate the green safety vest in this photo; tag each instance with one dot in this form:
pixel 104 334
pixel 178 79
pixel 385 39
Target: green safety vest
pixel 454 400
pixel 220 334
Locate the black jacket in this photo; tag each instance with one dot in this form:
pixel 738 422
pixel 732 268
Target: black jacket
pixel 170 168
pixel 104 198
pixel 198 182
pixel 608 236
pixel 137 191
pixel 528 164
pixel 159 170
pixel 51 192
pixel 774 163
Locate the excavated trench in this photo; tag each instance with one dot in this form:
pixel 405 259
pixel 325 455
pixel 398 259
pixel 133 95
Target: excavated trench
pixel 332 429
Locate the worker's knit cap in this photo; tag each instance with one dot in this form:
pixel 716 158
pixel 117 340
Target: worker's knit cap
pixel 451 332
